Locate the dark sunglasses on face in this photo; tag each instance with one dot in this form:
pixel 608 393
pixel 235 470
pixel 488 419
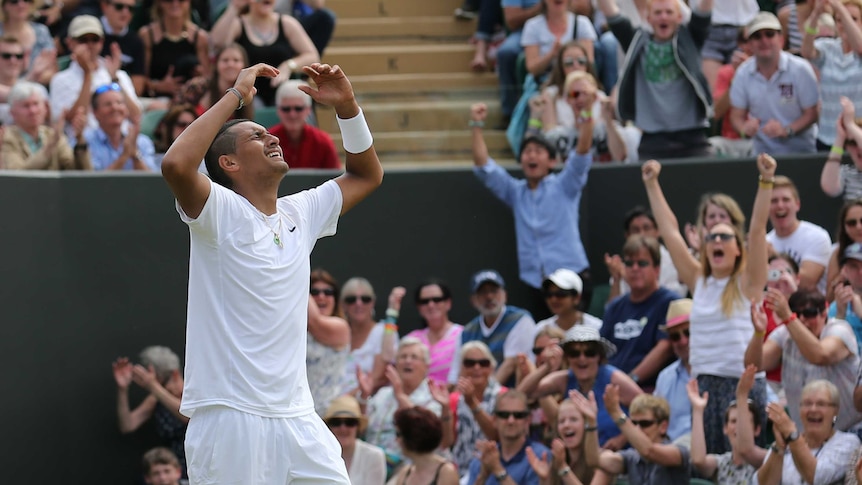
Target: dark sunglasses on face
pixel 571 61
pixel 763 33
pixel 337 422
pixel 9 55
pixel 719 236
pixel 119 7
pixel 557 294
pixel 288 109
pixel 677 336
pixel 538 350
pixel 352 299
pixel 809 312
pixel 16 2
pixel 470 363
pixel 576 353
pixel 88 39
pixel 435 299
pixel 641 263
pixel 324 291
pixel 508 414
pixel 848 222
pixel 643 423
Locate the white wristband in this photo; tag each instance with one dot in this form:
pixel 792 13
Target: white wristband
pixel 355 135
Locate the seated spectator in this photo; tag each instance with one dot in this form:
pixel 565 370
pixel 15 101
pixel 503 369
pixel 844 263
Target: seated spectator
pixel 821 453
pixel 304 146
pixel 29 144
pixel 673 379
pixel 419 433
pixel 744 458
pixel 409 386
pixel 544 34
pixel 515 15
pixel 72 87
pixel 268 37
pixel 547 351
pixel 837 178
pixel 372 344
pixel 808 244
pixel 506 330
pixel 809 347
pixel 11 67
pixel 162 467
pixel 365 463
pixel 205 90
pixel 652 459
pixel 562 290
pixel 41 54
pixel 632 321
pixel 848 302
pixel 729 143
pixel 489 31
pixel 545 238
pixel 781 120
pixel 506 461
pixel 640 222
pixel 662 88
pixel 587 354
pixel 606 48
pixel 328 345
pixel 721 46
pixel 116 18
pixel 158 373
pixel 433 299
pixel 112 146
pixel 175 49
pixel 175 121
pixel 838 62
pixel 318 21
pixel 473 402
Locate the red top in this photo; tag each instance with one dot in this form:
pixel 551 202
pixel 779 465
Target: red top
pixel 316 149
pixel 775 374
pixel 722 85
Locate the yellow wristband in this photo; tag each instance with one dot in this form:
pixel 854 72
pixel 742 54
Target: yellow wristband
pixel 811 30
pixel 836 150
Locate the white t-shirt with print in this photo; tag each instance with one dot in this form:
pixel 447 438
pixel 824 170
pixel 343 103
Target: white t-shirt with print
pixel 809 242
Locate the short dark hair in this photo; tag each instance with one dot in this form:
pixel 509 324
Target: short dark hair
pixel 787 259
pixel 420 429
pixel 752 409
pixel 320 275
pixel 538 140
pixel 634 213
pixel 224 143
pixel 159 456
pixel 804 298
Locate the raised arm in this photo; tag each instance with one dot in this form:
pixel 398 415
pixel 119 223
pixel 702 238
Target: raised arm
pixel 809 32
pixel 745 446
pixel 757 267
pixel 331 331
pixel 228 26
pixel 764 355
pixel 805 461
pixel 478 114
pixel 851 27
pixel 608 461
pixel 705 464
pixel 180 164
pixel 129 420
pixel 827 351
pixel 688 268
pixel 661 454
pixel 830 177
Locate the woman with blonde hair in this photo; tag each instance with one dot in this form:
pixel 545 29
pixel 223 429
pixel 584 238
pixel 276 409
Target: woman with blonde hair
pixel 714 207
pixel 175 49
pixel 725 280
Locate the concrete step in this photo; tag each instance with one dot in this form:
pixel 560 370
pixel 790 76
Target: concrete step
pixel 434 145
pixel 426 115
pixel 463 83
pixel 386 30
pixel 346 9
pixel 398 59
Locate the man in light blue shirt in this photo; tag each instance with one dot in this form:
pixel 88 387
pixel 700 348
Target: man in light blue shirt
pixel 672 380
pixel 545 205
pixel 848 302
pixel 113 146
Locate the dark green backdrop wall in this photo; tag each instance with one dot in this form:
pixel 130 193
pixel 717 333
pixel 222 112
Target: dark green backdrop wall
pixel 94 267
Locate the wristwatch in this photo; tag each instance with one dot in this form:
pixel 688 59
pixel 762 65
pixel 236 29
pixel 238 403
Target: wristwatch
pixel 621 420
pixel 634 377
pixel 790 131
pixel 501 476
pixel 791 437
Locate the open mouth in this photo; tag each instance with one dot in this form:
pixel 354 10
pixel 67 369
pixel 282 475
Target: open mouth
pixel 532 165
pixel 275 154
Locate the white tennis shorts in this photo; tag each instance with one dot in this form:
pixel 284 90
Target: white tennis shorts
pixel 229 447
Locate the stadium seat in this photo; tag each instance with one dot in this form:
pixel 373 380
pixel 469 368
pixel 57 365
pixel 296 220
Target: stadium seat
pixel 150 121
pixel 266 116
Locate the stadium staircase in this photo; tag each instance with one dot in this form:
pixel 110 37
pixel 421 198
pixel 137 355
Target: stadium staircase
pixel 409 62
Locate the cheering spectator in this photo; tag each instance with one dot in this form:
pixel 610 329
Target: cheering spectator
pixel 328 346
pixel 365 463
pixel 203 91
pixel 433 299
pixel 673 379
pixel 730 143
pixel 304 146
pixel 112 145
pixel 41 53
pixel 837 178
pixel 116 18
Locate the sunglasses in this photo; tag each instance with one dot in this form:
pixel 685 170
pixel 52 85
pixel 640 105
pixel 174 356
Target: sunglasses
pixel 352 299
pixel 325 291
pixel 338 422
pixel 809 312
pixel 719 236
pixel 575 353
pixel 107 87
pixel 435 299
pixel 16 2
pixel 9 55
pixel 643 423
pixel 288 109
pixel 763 33
pixel 677 336
pixel 848 222
pixel 557 294
pixel 469 363
pixel 510 414
pixel 576 94
pixel 641 263
pixel 119 7
pixel 88 39
pixel 538 350
pixel 571 61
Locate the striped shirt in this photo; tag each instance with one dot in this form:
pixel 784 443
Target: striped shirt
pixel 840 75
pixel 442 352
pixel 851 181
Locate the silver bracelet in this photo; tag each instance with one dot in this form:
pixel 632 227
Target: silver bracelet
pixel 238 95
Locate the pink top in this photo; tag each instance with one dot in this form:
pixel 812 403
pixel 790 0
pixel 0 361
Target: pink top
pixel 442 352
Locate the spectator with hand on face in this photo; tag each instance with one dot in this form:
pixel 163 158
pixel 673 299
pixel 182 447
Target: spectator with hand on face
pixel 29 144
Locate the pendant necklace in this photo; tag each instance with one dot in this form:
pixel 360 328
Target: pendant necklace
pixel 276 238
